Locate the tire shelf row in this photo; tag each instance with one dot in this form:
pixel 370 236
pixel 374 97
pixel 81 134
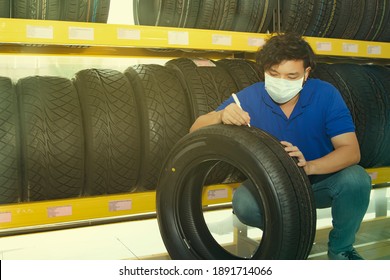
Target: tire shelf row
pixel 55 37
pixel 42 215
pixel 38 37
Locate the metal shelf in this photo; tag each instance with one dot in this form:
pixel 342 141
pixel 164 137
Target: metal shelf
pixel 38 37
pixel 57 213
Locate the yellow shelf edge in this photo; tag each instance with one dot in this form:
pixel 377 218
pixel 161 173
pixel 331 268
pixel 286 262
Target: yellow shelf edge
pixel 27 214
pixel 19 32
pixel 379 175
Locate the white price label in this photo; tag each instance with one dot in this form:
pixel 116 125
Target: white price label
pixel 5 217
pixel 256 42
pixel 374 50
pixel 178 38
pixel 59 211
pixel 40 32
pixel 217 194
pixel 118 205
pixel 373 175
pixel 223 40
pixel 350 48
pixel 128 34
pixel 202 62
pixel 324 46
pixel 81 33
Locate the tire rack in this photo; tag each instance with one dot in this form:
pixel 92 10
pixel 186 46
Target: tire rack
pixel 38 37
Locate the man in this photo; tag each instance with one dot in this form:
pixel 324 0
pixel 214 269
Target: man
pixel 313 123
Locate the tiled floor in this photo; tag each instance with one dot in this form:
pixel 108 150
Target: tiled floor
pixel 141 239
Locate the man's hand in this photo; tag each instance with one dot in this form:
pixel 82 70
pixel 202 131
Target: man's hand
pixel 233 114
pixel 293 151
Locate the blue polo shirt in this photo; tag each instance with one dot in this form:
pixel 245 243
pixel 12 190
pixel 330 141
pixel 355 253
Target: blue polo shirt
pixel 319 115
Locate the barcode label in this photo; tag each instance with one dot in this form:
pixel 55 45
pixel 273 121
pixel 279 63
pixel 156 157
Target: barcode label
pixel 217 194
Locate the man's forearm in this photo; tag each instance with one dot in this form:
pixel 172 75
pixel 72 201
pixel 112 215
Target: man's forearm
pixel 207 119
pixel 335 161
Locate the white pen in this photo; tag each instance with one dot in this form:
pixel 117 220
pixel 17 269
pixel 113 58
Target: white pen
pixel 237 101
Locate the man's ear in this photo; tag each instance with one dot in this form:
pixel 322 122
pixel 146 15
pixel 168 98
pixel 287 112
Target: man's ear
pixel 307 72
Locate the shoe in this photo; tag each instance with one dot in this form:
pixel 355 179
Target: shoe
pixel 347 255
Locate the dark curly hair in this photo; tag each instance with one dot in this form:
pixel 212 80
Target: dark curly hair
pixel 281 47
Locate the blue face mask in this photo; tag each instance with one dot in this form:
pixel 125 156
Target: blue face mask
pixel 282 90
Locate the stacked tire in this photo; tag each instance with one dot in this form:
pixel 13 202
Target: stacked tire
pixel 365 90
pixel 237 15
pixel 348 19
pixel 108 132
pixel 67 10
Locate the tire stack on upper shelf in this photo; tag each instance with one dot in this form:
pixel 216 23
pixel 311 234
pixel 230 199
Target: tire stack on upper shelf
pixel 242 15
pixel 348 19
pixel 5 8
pixel 67 10
pixel 108 132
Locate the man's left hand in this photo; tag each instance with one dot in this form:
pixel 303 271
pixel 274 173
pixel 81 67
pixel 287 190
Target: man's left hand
pixel 293 151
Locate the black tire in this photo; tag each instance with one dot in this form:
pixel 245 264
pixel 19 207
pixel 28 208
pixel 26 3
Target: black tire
pixel 349 19
pixel 37 9
pixel 369 22
pixel 112 131
pixel 363 97
pixel 320 18
pixel 52 138
pixel 355 16
pixel 188 20
pixel 334 16
pixel 248 15
pixel 243 72
pixel 266 18
pixel 5 8
pixel 207 86
pixel 158 12
pixel 165 116
pixel 227 15
pixel 85 10
pixel 296 15
pixel 10 184
pixel 383 32
pixel 205 15
pixel 379 78
pixel 283 187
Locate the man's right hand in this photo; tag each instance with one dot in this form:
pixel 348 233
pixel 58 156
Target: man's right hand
pixel 233 114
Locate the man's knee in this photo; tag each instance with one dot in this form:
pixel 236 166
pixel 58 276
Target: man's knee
pixel 355 178
pixel 242 202
pixel 246 207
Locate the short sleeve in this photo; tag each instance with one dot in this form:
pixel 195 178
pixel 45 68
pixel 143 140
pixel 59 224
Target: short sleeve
pixel 338 118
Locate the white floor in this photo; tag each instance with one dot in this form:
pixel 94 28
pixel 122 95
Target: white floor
pixel 126 240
